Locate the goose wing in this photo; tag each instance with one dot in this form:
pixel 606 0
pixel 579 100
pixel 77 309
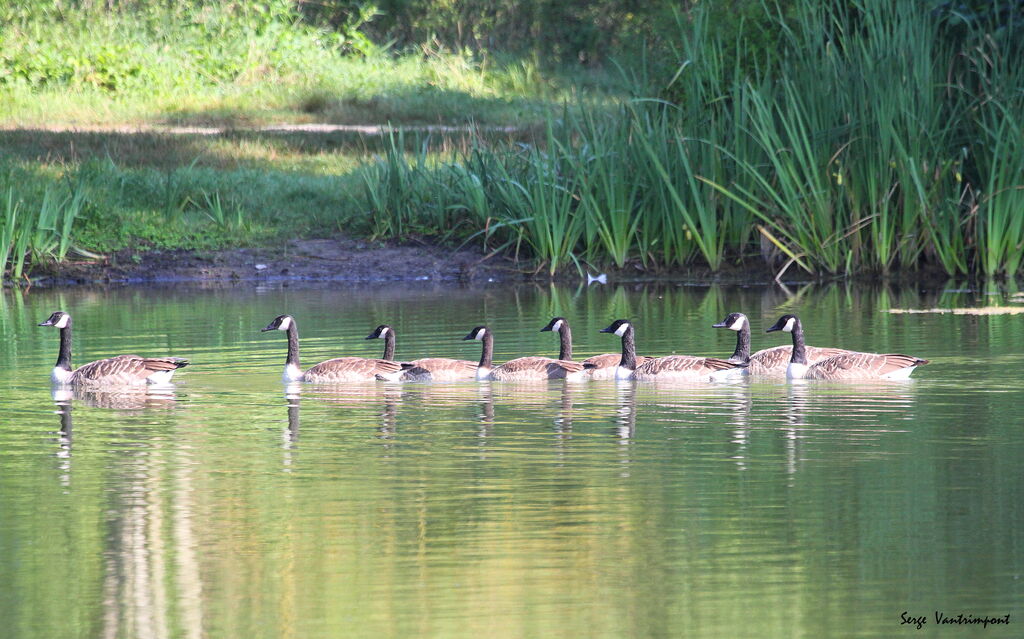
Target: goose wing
pixel 770 360
pixel 127 369
pixel 817 353
pixel 351 369
pixel 682 366
pixel 535 367
pixel 607 360
pixel 440 368
pixel 853 365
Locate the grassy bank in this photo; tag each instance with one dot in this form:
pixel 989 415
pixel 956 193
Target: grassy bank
pixel 875 138
pixel 233 65
pixel 250 63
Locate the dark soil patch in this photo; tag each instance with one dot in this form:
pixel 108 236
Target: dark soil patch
pixel 360 261
pixel 342 260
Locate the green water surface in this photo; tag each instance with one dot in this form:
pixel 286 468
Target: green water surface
pixel 233 507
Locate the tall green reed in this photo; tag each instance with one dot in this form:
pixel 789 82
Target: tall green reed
pixel 31 234
pixel 874 141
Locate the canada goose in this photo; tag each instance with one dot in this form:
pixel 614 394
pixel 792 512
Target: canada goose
pixel 849 366
pixel 596 367
pixel 123 370
pixel 522 368
pixel 673 368
pixel 769 362
pixel 332 371
pixel 427 368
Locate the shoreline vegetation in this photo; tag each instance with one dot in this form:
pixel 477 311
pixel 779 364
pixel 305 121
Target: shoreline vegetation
pixel 808 140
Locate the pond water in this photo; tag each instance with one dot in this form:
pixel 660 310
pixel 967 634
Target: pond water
pixel 232 507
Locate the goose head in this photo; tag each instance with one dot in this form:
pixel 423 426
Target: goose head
pixel 618 327
pixel 477 333
pixel 733 322
pixel 280 323
pixel 58 319
pixel 787 323
pixel 554 325
pixel 380 332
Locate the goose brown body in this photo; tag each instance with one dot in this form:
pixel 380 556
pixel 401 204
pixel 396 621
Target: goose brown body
pixel 864 366
pixel 681 368
pixel 439 369
pixel 127 370
pixel 534 368
pixel 349 369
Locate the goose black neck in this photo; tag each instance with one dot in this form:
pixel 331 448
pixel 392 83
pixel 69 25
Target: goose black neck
pixel 293 345
pixel 64 356
pixel 389 344
pixel 628 360
pixel 799 351
pixel 487 354
pixel 742 353
pixel 565 340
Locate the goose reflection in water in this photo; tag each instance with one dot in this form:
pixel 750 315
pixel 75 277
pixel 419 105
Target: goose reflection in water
pixel 290 436
pixel 135 553
pixel 850 411
pixel 357 396
pixel 64 438
pixel 122 399
pixel 126 400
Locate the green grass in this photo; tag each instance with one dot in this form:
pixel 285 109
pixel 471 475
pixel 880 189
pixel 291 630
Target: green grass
pixel 876 138
pixel 221 65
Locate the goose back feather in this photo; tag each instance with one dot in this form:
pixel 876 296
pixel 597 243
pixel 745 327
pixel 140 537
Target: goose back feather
pixel 684 368
pixel 439 369
pixel 128 370
pixel 350 369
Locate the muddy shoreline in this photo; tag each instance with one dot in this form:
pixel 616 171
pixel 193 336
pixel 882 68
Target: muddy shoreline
pixel 352 261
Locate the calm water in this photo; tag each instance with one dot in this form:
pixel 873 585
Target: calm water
pixel 234 508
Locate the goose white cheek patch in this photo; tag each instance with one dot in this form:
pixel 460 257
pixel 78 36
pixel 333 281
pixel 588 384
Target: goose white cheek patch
pixel 285 324
pixel 63 321
pixel 789 325
pixel 557 326
pixel 738 324
pixel 479 334
pixel 383 331
pixel 620 331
